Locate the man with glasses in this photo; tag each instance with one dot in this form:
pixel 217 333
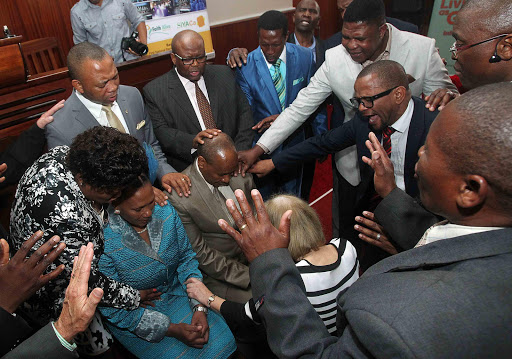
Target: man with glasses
pixel 192 99
pixel 366 39
pixel 399 120
pixel 483 43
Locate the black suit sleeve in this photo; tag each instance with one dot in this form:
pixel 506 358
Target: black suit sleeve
pixel 21 154
pixel 404 218
pixel 314 147
pixel 245 134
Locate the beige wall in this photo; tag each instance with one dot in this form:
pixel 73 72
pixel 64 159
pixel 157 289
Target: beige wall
pixel 225 11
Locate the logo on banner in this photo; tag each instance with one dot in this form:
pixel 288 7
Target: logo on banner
pixel 159 29
pixel 197 22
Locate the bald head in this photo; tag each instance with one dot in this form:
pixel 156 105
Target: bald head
pixel 482 138
pixel 492 15
pixel 188 54
pixel 78 54
pixel 217 159
pixel 389 73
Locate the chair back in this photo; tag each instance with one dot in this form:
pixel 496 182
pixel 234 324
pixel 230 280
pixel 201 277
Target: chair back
pixel 42 55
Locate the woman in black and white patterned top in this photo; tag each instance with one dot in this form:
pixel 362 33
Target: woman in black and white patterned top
pixel 326 269
pixel 63 194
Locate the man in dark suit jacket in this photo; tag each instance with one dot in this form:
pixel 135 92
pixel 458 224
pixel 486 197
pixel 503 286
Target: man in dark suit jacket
pixel 411 121
pixel 173 105
pixel 449 297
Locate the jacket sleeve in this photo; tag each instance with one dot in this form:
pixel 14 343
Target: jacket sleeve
pixel 403 218
pixel 245 134
pixel 294 329
pixel 211 261
pixel 436 76
pixel 22 153
pixel 316 147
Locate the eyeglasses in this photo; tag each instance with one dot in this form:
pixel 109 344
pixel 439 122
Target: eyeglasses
pixel 368 101
pixel 455 49
pixel 190 60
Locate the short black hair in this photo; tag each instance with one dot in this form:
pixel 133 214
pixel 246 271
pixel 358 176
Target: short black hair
pixel 106 159
pixel 214 146
pixel 389 73
pixel 81 52
pixel 131 188
pixel 369 11
pixel 273 20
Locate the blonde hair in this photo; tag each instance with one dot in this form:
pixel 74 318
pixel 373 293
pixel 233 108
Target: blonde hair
pixel 305 228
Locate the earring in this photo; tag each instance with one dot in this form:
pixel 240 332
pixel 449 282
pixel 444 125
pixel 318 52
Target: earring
pixel 116 211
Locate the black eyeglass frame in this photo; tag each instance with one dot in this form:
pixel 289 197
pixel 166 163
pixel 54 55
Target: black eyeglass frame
pixel 356 101
pixel 189 61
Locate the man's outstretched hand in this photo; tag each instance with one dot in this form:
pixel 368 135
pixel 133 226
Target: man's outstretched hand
pixel 256 235
pixel 384 178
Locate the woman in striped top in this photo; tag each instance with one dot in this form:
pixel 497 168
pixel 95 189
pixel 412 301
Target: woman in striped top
pixel 326 269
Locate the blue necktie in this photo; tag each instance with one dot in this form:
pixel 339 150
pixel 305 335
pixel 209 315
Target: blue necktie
pixel 279 84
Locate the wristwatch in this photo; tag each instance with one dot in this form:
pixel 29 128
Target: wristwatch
pixel 200 308
pixel 211 298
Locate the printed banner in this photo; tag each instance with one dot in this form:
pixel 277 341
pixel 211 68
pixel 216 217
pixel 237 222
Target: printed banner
pixel 441 26
pixel 164 19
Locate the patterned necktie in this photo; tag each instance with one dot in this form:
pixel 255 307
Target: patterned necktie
pixel 278 80
pixel 204 108
pixel 386 139
pixel 112 119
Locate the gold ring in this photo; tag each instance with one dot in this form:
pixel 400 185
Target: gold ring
pixel 243 227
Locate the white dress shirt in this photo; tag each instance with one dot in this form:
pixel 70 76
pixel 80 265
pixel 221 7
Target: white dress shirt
pixel 399 144
pixel 447 230
pixel 190 89
pixel 96 111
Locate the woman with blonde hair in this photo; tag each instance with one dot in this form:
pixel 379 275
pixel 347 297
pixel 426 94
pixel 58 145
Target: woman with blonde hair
pixel 326 269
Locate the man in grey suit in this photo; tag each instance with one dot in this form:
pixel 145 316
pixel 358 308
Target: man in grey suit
pixel 225 269
pixel 194 97
pixel 98 99
pixel 448 297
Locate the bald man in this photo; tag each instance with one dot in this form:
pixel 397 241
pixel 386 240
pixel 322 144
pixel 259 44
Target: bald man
pixel 193 97
pixel 224 267
pixel 385 105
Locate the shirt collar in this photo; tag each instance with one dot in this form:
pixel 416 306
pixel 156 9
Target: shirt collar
pixel 282 57
pixel 211 187
pixel 93 107
pixel 402 124
pixel 312 47
pixel 446 230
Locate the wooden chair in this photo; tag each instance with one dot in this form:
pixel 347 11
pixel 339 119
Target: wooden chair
pixel 42 55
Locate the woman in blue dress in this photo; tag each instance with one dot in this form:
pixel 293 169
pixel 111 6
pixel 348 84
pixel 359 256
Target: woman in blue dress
pixel 147 246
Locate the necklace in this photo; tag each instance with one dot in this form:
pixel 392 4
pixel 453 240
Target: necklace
pixel 144 230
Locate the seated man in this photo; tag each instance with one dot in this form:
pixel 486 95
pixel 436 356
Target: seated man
pixel 193 97
pixel 449 296
pixel 274 75
pixel 99 100
pixel 402 122
pixel 224 267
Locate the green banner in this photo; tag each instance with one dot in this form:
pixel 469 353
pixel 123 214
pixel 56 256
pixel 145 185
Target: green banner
pixel 441 26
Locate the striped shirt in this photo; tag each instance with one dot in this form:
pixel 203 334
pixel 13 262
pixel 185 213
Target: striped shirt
pixel 323 283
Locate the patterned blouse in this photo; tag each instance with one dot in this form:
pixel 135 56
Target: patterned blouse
pixel 49 199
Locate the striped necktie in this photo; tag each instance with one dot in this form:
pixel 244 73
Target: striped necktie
pixel 386 139
pixel 204 108
pixel 279 84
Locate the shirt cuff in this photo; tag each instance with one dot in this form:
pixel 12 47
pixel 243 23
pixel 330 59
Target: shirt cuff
pixel 69 346
pixel 263 147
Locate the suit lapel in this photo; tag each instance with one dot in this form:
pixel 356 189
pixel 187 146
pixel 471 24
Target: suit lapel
pixel 81 114
pixel 447 251
pixel 414 138
pixel 213 94
pixel 264 74
pixel 178 93
pixel 291 62
pixel 124 105
pixel 399 50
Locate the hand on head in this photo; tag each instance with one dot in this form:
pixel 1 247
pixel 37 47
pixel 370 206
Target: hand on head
pixel 256 234
pixel 20 277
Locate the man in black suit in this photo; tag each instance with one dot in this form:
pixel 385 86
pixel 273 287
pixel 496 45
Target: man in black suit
pixel 194 97
pixel 450 296
pixel 384 102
